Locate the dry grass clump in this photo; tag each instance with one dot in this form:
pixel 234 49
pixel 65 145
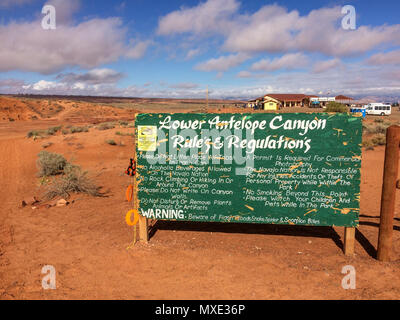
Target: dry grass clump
pixel 377 140
pixel 73 180
pixel 53 130
pixel 70 178
pixel 124 134
pixel 376 127
pixel 106 126
pixel 50 164
pixel 111 142
pixel 35 134
pixel 79 129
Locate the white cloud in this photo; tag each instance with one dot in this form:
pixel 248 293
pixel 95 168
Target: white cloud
pixel 184 85
pixel 274 29
pixel 223 63
pixel 289 61
pixel 64 9
pixel 389 58
pixel 10 83
pixel 27 47
pixel 359 80
pixel 11 3
pixel 244 74
pixel 192 53
pixel 322 66
pixel 213 15
pixel 139 50
pixel 95 76
pixel 268 30
pixel 42 85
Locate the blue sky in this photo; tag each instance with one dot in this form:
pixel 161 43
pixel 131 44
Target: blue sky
pixel 241 49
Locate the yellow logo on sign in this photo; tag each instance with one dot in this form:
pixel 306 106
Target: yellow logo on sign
pixel 147 138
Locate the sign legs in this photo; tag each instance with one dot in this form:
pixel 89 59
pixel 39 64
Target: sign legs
pixel 143 229
pixel 349 241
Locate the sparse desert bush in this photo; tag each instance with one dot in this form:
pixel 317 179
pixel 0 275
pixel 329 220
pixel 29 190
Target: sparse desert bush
pixel 119 133
pixel 79 129
pixel 73 180
pixel 336 107
pixel 53 130
pixel 106 126
pixel 376 128
pixel 123 123
pixel 50 164
pixel 111 142
pixel 379 139
pixel 33 134
pixel 43 133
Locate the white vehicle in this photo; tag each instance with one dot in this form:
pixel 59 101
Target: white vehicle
pixel 379 109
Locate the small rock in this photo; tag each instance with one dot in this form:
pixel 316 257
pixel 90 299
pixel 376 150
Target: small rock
pixel 62 203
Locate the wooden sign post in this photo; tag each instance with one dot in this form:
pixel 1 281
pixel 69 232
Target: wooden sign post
pixel 389 188
pixel 290 169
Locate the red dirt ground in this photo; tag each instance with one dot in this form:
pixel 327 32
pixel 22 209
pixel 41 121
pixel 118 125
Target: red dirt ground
pixel 87 241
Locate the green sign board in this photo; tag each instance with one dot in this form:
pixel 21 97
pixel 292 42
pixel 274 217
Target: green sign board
pixel 298 169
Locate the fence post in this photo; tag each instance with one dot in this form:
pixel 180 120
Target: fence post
pixel 389 188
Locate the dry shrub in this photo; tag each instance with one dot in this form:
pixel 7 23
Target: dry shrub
pixel 111 142
pixel 123 123
pixel 106 126
pixel 73 180
pixel 379 140
pixel 376 128
pixel 79 129
pixel 50 164
pixel 53 130
pixel 124 134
